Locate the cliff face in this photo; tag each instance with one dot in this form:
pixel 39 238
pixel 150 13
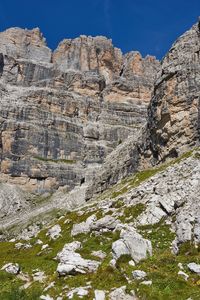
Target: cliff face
pixel 173 116
pixel 62 113
pixel 79 114
pixel 173 120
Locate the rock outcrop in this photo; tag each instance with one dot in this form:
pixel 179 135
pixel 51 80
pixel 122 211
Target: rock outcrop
pixel 71 263
pixel 62 113
pixel 133 244
pixel 173 116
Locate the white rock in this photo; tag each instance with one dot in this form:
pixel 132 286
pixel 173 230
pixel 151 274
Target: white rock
pixel 167 202
pixel 119 248
pixel 152 215
pixel 183 274
pixel 24 246
pixel 99 295
pixel 146 282
pixel 49 286
pixel 39 276
pixel 47 297
pixel 12 240
pixel 193 267
pixel 11 268
pixel 19 245
pixel 120 294
pixel 131 263
pixel 83 227
pixel 54 232
pixel 180 265
pixel 80 291
pixel 108 222
pixel 138 274
pixel 99 254
pixel 70 247
pixel 132 243
pixel 80 228
pixel 72 262
pixel 39 242
pixel 44 247
pixel 113 263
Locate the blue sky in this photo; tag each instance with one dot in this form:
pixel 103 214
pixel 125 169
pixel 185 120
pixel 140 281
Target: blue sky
pixel 149 26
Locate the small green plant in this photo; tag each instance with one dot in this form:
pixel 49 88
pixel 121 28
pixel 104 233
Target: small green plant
pixel 132 212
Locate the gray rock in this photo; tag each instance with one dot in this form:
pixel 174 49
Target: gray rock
pixel 132 243
pixel 86 78
pixel 146 282
pixel 120 294
pixel 183 274
pixel 152 215
pixel 193 267
pixel 39 276
pixel 138 274
pixel 47 297
pixel 23 246
pixel 119 248
pixel 80 292
pixel 83 227
pixel 106 223
pixel 131 263
pixel 54 232
pixel 99 295
pixel 99 254
pixel 11 268
pixel 72 263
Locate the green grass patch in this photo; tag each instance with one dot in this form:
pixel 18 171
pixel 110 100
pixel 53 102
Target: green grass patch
pixel 132 212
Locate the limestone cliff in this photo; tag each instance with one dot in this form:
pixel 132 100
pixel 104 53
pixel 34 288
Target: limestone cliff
pixel 79 114
pixel 173 120
pixel 63 112
pixel 173 116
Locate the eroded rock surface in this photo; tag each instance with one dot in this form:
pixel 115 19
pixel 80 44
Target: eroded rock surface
pixel 173 117
pixel 71 263
pixel 63 112
pixel 133 244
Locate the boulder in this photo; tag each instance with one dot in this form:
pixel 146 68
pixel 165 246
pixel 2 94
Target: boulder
pixel 72 263
pixel 132 243
pixel 106 223
pixel 54 232
pixel 119 248
pixel 138 274
pixel 11 268
pixel 83 227
pixel 193 267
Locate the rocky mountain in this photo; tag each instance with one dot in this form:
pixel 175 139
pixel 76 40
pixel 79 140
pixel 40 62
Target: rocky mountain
pixel 173 116
pixel 63 112
pixel 86 122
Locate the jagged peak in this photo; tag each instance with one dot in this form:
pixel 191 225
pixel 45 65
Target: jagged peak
pixel 33 36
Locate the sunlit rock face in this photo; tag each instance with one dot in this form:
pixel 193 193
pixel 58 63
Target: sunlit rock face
pixel 173 120
pixel 63 112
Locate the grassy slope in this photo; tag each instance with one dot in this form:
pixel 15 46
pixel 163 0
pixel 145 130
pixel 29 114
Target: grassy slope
pixel 161 268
